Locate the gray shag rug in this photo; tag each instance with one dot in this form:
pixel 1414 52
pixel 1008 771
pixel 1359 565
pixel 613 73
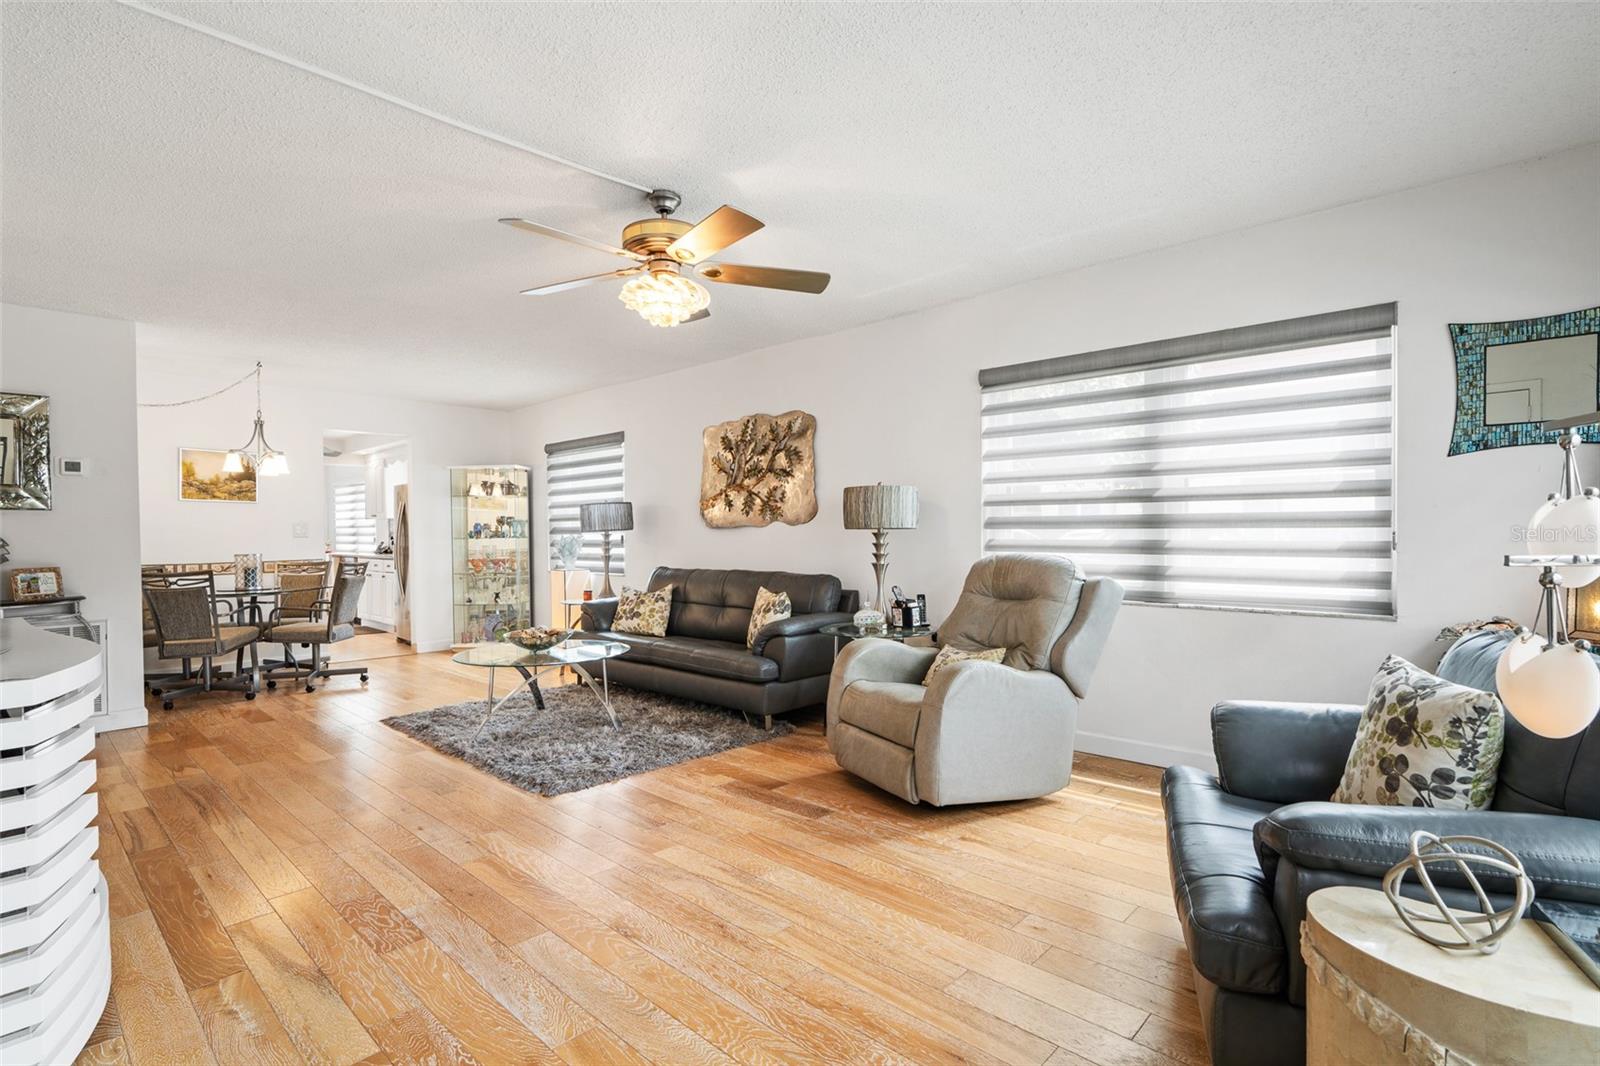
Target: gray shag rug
pixel 570 745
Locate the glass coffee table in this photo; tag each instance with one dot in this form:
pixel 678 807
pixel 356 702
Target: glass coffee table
pixel 530 664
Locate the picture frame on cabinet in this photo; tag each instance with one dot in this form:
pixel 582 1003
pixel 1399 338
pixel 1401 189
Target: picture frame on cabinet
pixel 32 583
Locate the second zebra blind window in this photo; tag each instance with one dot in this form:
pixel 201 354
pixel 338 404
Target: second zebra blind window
pixel 587 470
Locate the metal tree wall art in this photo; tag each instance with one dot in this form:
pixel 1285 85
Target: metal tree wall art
pixel 758 470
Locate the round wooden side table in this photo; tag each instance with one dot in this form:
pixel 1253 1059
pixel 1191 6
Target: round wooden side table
pixel 1377 994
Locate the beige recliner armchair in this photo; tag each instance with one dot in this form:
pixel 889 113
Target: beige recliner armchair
pixel 981 731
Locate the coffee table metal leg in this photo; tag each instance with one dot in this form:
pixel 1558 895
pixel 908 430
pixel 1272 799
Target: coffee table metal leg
pixel 533 686
pixel 528 679
pixel 604 695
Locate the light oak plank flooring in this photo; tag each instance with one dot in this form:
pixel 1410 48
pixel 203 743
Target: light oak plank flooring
pixel 293 881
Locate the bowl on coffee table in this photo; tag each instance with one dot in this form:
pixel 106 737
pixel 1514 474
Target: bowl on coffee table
pixel 536 638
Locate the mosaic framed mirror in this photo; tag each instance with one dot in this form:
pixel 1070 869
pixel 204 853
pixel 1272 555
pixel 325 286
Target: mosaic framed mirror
pixel 1515 378
pixel 24 452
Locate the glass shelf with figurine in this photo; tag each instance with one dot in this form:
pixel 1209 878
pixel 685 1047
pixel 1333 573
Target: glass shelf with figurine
pixel 491 569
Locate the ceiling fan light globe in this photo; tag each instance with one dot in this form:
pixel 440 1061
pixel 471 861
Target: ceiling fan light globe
pixel 664 299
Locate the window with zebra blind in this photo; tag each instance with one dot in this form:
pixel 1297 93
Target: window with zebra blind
pixel 1248 469
pixel 587 470
pixel 354 530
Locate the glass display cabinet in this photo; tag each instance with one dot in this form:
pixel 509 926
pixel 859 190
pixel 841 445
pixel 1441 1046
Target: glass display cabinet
pixel 491 569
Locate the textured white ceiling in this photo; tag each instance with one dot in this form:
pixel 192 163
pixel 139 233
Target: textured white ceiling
pixel 239 208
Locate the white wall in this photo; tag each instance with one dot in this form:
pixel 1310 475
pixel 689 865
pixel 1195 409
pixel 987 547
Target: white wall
pixel 897 401
pixel 86 366
pixel 297 415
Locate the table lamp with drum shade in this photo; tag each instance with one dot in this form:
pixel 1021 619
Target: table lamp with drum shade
pixel 880 508
pixel 614 516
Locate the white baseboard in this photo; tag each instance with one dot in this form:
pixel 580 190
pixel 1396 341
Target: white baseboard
pixel 1142 752
pixel 425 646
pixel 129 718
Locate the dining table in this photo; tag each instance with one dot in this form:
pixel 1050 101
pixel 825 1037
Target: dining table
pixel 249 602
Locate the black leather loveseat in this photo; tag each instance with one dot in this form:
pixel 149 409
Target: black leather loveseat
pixel 704 656
pixel 1248 846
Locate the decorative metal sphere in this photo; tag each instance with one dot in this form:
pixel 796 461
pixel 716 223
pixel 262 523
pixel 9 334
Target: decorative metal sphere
pixel 1427 848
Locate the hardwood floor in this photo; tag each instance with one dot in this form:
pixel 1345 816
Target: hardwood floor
pixel 293 881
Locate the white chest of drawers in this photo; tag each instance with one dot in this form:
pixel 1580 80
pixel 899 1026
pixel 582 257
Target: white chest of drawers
pixel 55 948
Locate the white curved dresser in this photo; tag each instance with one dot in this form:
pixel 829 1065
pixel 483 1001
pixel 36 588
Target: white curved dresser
pixel 55 943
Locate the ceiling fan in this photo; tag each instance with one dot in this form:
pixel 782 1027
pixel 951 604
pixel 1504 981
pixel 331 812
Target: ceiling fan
pixel 666 252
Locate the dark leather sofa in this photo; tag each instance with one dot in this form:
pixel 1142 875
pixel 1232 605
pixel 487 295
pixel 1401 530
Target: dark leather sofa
pixel 704 656
pixel 1249 845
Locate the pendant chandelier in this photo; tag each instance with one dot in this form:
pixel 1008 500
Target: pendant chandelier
pixel 267 460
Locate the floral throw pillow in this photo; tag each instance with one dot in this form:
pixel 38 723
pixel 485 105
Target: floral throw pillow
pixel 1424 742
pixel 644 613
pixel 949 655
pixel 770 607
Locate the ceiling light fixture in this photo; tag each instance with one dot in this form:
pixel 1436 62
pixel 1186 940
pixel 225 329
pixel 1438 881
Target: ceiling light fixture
pixel 665 298
pixel 664 250
pixel 267 460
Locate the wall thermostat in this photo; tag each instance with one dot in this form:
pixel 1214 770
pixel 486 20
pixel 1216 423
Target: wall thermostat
pixel 72 467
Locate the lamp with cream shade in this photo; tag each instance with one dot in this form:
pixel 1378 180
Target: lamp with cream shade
pixel 880 508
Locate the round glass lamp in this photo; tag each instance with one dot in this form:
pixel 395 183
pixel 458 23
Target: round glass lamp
pixel 1552 684
pixel 1553 689
pixel 1549 684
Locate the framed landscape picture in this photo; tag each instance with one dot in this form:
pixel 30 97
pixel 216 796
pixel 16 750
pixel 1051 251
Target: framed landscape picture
pixel 35 583
pixel 201 477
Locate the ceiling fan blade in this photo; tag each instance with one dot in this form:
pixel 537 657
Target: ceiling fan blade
pixel 766 277
pixel 563 235
pixel 704 312
pixel 712 234
pixel 563 286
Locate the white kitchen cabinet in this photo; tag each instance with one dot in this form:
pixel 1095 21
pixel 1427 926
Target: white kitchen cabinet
pixel 380 594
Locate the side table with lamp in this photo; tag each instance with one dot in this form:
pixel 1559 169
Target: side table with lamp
pixel 879 508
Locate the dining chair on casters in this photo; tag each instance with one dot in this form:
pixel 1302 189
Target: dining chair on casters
pixel 333 620
pixel 301 586
pixel 155 679
pixel 184 610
